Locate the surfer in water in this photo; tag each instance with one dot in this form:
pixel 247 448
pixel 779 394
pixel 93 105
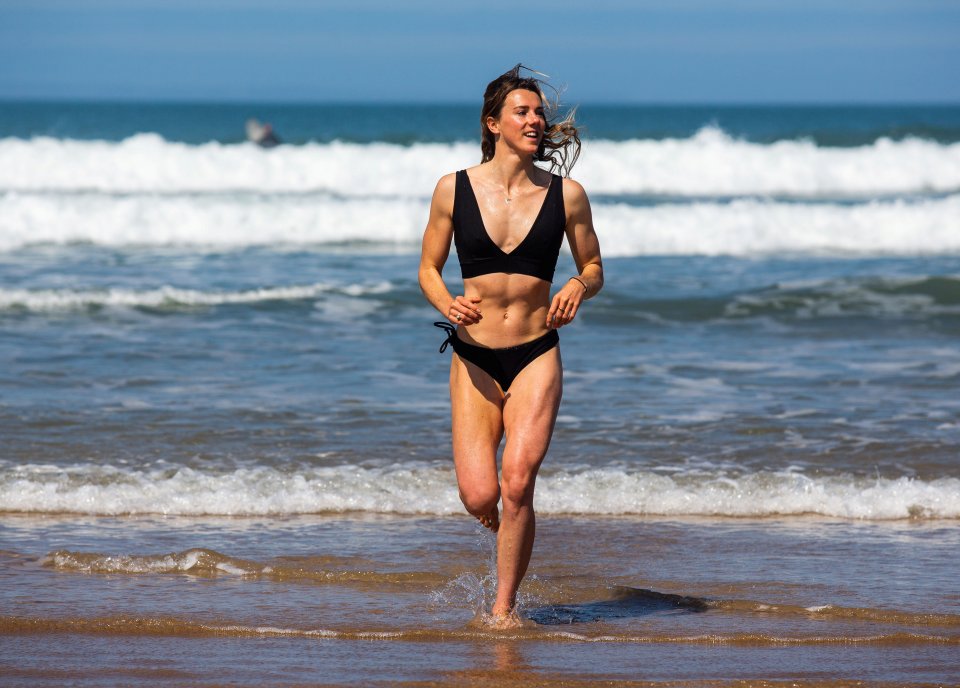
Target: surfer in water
pixel 261 134
pixel 508 216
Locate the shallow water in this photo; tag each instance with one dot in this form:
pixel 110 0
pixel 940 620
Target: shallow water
pixel 727 386
pixel 357 599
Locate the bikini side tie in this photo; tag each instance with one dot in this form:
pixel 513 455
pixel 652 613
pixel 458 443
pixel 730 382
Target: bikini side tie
pixel 451 334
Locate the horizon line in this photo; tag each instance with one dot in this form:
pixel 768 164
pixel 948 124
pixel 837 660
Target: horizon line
pixel 113 100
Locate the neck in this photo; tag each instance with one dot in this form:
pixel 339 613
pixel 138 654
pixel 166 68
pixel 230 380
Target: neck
pixel 511 170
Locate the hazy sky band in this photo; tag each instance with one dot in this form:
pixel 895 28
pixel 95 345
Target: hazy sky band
pixel 440 51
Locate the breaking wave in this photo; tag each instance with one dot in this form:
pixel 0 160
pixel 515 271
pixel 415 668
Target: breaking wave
pixel 743 226
pixel 422 489
pixel 711 162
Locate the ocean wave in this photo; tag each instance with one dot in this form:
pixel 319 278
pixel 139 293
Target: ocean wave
pixel 865 297
pixel 169 298
pixel 755 227
pixel 711 162
pixel 870 297
pixel 210 563
pixel 409 489
pixel 741 227
pixel 214 221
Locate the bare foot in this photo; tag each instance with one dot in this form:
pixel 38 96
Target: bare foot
pixel 505 621
pixel 491 520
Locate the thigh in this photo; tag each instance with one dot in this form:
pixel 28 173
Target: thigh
pixel 530 412
pixel 476 409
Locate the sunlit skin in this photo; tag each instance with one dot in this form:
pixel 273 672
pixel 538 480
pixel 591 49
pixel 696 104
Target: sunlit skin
pixel 500 310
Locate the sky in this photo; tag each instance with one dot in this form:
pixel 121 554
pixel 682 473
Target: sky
pixel 444 51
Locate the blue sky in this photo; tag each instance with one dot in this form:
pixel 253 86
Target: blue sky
pixel 672 51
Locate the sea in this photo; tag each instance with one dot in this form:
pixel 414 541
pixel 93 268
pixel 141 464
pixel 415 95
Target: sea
pixel 224 421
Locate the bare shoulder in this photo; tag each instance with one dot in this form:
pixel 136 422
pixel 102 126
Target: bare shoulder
pixel 445 190
pixel 447 184
pixel 574 195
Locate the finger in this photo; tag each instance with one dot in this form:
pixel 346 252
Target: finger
pixel 457 315
pixel 554 307
pixel 468 316
pixel 569 310
pixel 468 305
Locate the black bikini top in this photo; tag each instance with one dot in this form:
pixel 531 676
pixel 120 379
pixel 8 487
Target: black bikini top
pixel 535 255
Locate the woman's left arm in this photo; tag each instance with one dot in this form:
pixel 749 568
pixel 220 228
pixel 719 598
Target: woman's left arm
pixel 586 254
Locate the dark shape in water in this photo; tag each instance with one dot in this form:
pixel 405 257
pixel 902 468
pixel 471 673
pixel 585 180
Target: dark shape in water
pixel 626 603
pixel 261 134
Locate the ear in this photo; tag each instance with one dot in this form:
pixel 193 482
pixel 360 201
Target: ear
pixel 493 126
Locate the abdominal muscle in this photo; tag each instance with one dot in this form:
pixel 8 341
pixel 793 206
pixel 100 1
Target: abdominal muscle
pixel 514 309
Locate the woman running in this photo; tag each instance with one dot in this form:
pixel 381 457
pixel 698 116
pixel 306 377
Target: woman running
pixel 508 218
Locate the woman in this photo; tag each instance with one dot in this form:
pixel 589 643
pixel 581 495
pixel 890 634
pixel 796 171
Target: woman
pixel 508 218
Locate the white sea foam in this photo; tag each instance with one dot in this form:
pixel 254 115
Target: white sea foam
pixel 207 221
pixel 148 163
pixel 708 163
pixel 418 489
pixel 193 560
pixel 741 227
pixel 749 226
pixel 714 163
pixel 170 297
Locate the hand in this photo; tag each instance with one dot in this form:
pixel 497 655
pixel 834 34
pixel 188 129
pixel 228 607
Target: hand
pixel 565 304
pixel 464 311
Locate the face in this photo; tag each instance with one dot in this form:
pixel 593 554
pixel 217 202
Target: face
pixel 522 121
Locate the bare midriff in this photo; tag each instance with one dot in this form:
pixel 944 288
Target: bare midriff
pixel 514 309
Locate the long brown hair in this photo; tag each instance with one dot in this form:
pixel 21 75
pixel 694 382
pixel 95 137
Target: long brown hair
pixel 560 145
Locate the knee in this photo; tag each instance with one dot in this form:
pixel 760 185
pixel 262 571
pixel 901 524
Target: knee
pixel 479 500
pixel 517 488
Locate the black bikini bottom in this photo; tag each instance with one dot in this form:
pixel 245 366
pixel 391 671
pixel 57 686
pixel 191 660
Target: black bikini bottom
pixel 503 365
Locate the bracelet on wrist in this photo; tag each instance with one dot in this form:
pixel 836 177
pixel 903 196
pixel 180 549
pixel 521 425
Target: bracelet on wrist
pixel 582 283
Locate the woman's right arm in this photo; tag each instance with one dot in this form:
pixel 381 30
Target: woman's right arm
pixel 434 253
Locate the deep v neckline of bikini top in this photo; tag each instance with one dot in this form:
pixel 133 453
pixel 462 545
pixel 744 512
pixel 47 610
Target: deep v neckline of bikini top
pixel 483 224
